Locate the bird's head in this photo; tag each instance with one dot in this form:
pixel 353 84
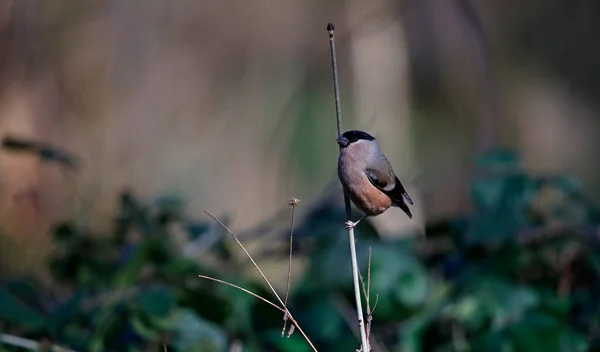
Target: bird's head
pixel 353 136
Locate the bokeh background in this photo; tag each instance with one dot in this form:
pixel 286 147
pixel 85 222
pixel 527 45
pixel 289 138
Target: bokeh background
pixel 487 110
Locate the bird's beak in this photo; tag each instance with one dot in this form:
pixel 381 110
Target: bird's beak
pixel 342 141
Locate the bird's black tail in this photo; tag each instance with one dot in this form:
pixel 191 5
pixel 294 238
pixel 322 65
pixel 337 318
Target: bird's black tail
pixel 398 194
pixel 400 203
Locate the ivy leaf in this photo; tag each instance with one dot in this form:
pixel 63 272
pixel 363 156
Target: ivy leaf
pixel 295 343
pixel 194 334
pixel 536 332
pixel 158 300
pixel 14 310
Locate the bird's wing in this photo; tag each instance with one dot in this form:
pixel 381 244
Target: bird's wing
pixel 389 184
pixel 382 176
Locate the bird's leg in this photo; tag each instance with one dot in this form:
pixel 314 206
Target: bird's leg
pixel 350 225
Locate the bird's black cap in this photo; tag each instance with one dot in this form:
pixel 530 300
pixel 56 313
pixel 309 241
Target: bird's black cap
pixel 356 135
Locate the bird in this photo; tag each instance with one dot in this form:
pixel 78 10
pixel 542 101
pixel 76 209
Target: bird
pixel 367 176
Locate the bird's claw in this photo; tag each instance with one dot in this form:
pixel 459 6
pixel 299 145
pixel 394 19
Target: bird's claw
pixel 350 225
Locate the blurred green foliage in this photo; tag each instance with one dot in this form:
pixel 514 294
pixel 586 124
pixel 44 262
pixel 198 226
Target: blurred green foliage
pixel 521 273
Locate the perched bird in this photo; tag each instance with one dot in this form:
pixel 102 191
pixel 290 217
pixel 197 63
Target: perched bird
pixel 367 176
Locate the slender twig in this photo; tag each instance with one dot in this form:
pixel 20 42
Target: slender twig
pixel 375 304
pixel 243 289
pixel 347 313
pixel 369 275
pixel 282 307
pixel 338 113
pixel 293 203
pixel 367 294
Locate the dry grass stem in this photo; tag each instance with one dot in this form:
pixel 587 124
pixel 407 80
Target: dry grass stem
pixel 367 294
pixel 347 313
pixel 242 289
pixel 282 308
pixel 293 203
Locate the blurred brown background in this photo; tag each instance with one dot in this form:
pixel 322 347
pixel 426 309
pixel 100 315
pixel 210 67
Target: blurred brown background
pixel 229 105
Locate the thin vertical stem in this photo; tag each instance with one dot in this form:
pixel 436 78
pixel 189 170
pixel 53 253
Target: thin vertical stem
pixel 336 84
pixel 355 274
pixel 293 202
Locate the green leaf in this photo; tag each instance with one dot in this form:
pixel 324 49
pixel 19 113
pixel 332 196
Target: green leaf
pixel 77 337
pixel 241 304
pixel 491 298
pixel 573 341
pixel 556 306
pixel 487 193
pixel 157 300
pixel 568 185
pixel 104 322
pixel 180 267
pixel 296 343
pixel 503 204
pixel 148 333
pixel 152 247
pixel 396 273
pixel 492 341
pixel 166 323
pixel 411 333
pixel 412 287
pixel 512 191
pixel 506 302
pixel 495 228
pixel 468 310
pixel 326 322
pixel 192 333
pixel 12 309
pixel 64 313
pixel 26 291
pixel 330 266
pixel 536 332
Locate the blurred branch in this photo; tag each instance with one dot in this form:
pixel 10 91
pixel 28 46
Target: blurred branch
pixel 28 344
pixel 534 235
pixel 45 152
